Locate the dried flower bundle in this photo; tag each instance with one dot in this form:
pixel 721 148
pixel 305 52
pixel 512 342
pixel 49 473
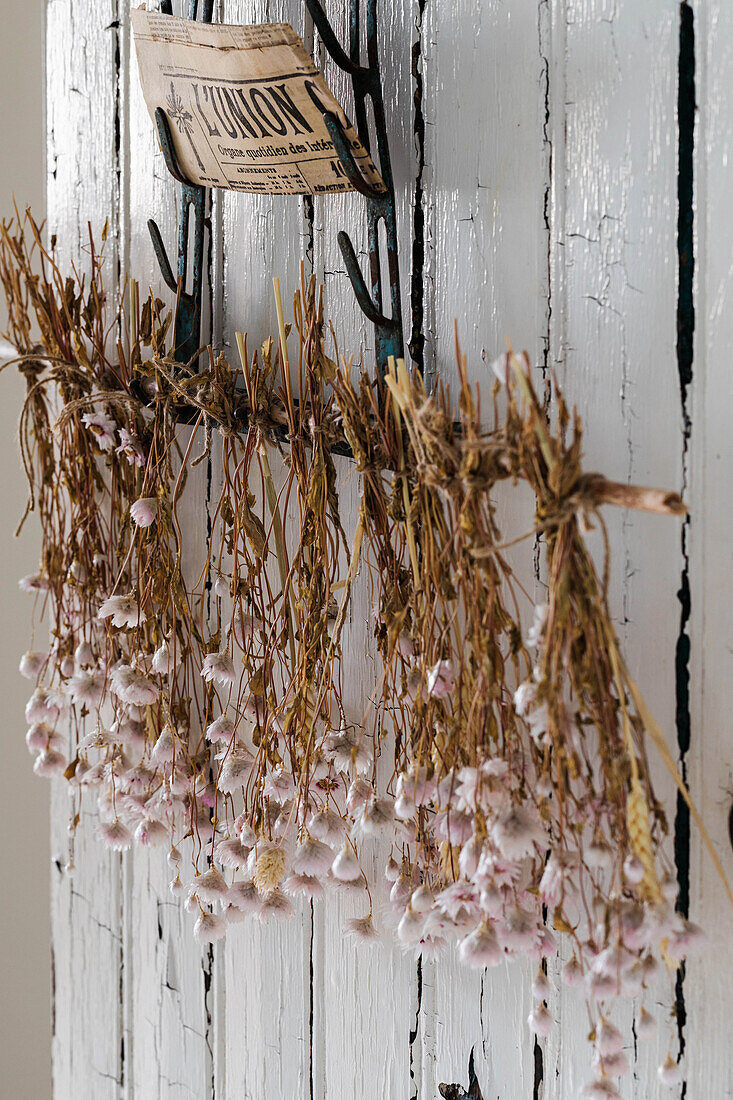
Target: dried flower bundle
pixel 501 767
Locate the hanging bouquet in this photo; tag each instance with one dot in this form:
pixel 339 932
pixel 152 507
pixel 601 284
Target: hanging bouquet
pixel 501 768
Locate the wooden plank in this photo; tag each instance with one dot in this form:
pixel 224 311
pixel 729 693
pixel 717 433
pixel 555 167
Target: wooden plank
pixel 169 985
pixel 485 182
pixel 266 235
pixel 81 98
pixel 707 987
pixel 485 263
pixel 612 302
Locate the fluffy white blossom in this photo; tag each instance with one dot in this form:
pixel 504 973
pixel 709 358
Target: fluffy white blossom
pixel 31 664
pixel 209 927
pixel 102 427
pixel 132 686
pixel 218 668
pixel 441 679
pixel 144 511
pixel 34 582
pixel 131 447
pixel 123 610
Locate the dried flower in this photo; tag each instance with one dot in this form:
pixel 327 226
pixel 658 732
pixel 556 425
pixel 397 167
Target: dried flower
pixel 670 1072
pixel 102 427
pixel 218 668
pixel 123 610
pixel 441 680
pixel 115 835
pixel 132 686
pixel 31 664
pixel 540 1020
pixel 517 831
pixel 209 927
pixel 361 928
pixel 210 886
pixel 312 857
pixel 163 662
pixel 34 582
pixel 143 511
pixel 131 447
pixel 481 947
pixel 270 866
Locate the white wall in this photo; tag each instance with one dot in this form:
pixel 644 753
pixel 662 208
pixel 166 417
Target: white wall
pixel 25 953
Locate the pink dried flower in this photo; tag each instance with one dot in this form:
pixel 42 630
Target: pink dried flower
pixel 361 928
pixel 211 886
pixel 163 662
pixel 670 1072
pixel 144 511
pixel 312 857
pixel 609 1039
pixel 123 610
pixel 87 687
pixel 131 447
pixel 151 833
pixel 232 853
pixel 275 904
pixel 377 816
pixel 345 866
pixel 517 831
pixel 102 427
pixel 540 1020
pixel 601 1089
pixel 572 973
pixel 481 947
pixel 218 668
pixel 164 749
pixel 306 885
pixel 115 835
pixel 131 686
pixel 411 927
pixel 441 680
pixel 49 762
pixel 221 729
pixel 243 895
pixel 31 664
pixel 34 582
pixel 84 655
pixel 209 927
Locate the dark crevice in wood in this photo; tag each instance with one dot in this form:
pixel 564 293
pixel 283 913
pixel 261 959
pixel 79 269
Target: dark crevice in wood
pixel 311 1087
pixel 685 349
pixel 416 346
pixel 415 1031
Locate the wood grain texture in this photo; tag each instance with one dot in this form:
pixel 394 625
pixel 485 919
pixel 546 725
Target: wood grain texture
pixel 82 97
pixel 536 166
pixel 707 988
pixel 612 341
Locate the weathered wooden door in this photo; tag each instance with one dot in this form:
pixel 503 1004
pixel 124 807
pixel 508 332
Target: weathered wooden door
pixel 549 190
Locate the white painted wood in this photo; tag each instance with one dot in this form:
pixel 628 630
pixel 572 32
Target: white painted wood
pixel 549 194
pixel 708 991
pixel 81 96
pixel 612 335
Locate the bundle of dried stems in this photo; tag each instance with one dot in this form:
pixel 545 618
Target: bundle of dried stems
pixel 502 768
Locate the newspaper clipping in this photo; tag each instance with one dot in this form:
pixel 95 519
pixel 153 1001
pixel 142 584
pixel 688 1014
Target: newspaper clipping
pixel 245 106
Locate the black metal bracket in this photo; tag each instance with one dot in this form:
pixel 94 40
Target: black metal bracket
pixel 367 84
pixel 187 330
pixel 380 204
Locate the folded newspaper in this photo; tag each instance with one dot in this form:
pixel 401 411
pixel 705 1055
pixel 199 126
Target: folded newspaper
pixel 245 106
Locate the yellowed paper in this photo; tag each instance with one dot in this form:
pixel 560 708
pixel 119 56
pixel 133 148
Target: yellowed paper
pixel 245 106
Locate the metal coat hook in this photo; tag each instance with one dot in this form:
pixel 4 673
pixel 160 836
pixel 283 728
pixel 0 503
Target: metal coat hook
pixel 367 84
pixel 187 331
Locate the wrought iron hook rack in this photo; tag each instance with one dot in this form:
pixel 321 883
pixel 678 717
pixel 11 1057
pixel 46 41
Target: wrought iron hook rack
pixel 380 205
